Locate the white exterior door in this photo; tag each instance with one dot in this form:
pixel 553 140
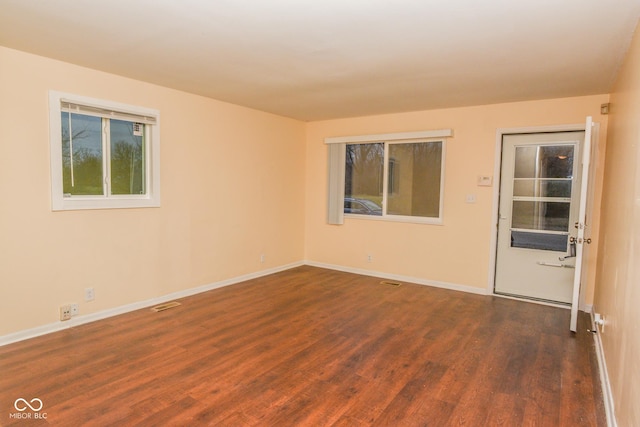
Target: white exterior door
pixel 540 191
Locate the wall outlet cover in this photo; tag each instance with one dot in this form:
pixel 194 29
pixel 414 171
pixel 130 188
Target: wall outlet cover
pixel 65 312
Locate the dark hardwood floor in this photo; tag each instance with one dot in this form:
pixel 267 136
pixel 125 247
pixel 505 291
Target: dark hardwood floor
pixel 313 347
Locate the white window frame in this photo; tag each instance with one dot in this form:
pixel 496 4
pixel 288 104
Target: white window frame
pixel 337 150
pixel 151 198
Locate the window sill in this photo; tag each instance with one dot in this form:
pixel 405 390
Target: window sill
pixel 393 218
pixel 87 203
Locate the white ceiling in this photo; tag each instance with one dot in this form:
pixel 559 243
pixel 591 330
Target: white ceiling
pixel 314 60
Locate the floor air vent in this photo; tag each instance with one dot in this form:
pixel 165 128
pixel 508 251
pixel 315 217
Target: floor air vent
pixel 390 283
pixel 165 306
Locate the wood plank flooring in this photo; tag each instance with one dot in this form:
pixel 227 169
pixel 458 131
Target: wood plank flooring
pixel 313 347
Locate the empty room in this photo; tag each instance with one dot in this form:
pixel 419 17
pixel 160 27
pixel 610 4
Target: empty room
pixel 293 213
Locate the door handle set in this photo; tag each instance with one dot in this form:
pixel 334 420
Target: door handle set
pixel 572 246
pixel 579 240
pixel 572 249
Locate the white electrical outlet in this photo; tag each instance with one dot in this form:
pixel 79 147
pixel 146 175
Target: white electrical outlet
pixel 262 257
pixel 65 312
pixel 75 309
pixel 89 294
pixel 369 258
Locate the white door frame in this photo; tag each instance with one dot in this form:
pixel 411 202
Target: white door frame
pixel 496 199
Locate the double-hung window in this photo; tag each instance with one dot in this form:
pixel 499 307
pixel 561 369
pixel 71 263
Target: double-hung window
pixel 394 176
pixel 103 154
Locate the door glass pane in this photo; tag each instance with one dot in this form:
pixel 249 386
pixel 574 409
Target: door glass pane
pixel 556 161
pixel 363 179
pixel 526 187
pixel 81 155
pixel 555 188
pixel 541 241
pixel 553 161
pixel 552 216
pixel 413 187
pixel 525 163
pixel 127 157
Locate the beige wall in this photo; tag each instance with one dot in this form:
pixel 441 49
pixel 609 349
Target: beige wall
pixel 232 189
pixel 617 295
pixel 458 252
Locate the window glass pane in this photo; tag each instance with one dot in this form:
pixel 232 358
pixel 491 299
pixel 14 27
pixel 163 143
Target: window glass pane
pixel 541 188
pixel 541 241
pixel 81 155
pixel 361 206
pixel 363 178
pixel 554 161
pixel 127 157
pixel 552 216
pixel 414 179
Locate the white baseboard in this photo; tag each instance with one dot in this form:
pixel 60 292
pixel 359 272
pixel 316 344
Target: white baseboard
pixel 80 320
pixel 604 376
pixel 433 283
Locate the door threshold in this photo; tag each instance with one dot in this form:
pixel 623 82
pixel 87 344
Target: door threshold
pixel 534 300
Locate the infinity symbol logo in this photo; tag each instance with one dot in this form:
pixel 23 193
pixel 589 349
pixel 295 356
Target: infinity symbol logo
pixel 24 402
